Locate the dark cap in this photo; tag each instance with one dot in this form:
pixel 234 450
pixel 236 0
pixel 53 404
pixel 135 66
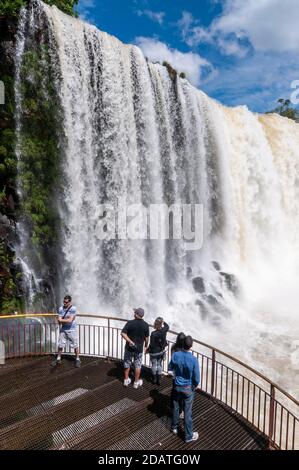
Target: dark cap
pixel 139 312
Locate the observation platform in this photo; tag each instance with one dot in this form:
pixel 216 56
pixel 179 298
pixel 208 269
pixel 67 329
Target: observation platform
pixel 44 407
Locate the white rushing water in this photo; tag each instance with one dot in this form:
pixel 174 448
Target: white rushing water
pixel 132 133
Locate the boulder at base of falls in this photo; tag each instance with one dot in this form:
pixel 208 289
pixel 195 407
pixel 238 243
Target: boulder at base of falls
pixel 198 284
pixel 217 306
pixel 207 315
pixel 216 265
pixel 230 282
pixel 211 299
pixel 203 309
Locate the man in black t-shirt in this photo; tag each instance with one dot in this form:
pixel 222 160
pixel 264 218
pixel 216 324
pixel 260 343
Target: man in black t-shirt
pixel 136 334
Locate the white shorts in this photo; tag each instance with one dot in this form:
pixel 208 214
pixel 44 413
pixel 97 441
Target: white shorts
pixel 70 336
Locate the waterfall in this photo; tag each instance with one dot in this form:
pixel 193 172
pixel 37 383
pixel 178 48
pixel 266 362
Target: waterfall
pixel 28 274
pixel 133 134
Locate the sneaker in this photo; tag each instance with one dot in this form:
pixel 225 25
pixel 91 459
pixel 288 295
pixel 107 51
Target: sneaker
pixel 127 382
pixel 138 383
pixel 194 438
pixel 77 363
pixel 56 362
pixel 154 379
pixel 174 431
pixel 182 415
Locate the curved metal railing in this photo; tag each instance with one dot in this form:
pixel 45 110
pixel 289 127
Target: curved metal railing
pixel 236 385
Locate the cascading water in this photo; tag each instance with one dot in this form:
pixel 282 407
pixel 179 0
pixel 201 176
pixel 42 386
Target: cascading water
pixel 133 133
pixel 30 281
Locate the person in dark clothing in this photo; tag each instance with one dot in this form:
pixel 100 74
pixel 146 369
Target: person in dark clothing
pixel 187 377
pixel 136 334
pixel 179 343
pixel 157 347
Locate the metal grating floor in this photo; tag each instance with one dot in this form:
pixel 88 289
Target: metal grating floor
pixel 88 408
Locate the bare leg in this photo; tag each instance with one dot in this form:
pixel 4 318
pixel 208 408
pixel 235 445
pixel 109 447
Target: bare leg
pixel 137 374
pixel 126 373
pixel 59 354
pixel 77 353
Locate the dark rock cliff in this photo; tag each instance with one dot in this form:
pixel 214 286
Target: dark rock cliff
pixel 11 289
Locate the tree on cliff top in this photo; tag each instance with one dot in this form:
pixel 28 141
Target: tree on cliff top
pixel 284 109
pixel 12 7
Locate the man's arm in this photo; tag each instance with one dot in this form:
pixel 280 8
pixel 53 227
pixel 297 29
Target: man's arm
pixel 126 337
pixel 66 320
pixel 146 336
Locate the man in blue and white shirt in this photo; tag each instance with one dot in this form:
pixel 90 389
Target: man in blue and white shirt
pixel 68 329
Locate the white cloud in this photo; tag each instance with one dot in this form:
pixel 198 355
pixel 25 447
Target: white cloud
pixel 197 69
pixel 269 25
pixel 231 47
pixel 257 82
pixel 84 9
pixel 194 34
pixel 191 32
pixel 157 16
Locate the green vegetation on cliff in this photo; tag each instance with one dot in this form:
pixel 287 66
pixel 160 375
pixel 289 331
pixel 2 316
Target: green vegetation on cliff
pixel 37 172
pixel 284 109
pixel 8 162
pixel 10 275
pixel 39 165
pixel 12 7
pixel 10 294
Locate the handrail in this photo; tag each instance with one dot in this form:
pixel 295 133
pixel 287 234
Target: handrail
pixel 212 348
pixel 25 315
pixel 237 389
pixel 208 346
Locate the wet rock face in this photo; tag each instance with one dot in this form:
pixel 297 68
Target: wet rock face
pixel 216 265
pixel 203 310
pixel 212 309
pixel 211 298
pixel 11 285
pixel 8 29
pixel 230 282
pixel 198 284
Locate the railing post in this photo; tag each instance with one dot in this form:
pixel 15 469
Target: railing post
pixel 271 414
pixel 108 355
pixel 213 372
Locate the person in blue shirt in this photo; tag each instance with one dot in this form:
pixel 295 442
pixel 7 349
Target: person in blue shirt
pixel 68 330
pixel 185 368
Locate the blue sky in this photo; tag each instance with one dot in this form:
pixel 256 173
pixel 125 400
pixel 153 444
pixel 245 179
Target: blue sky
pixel 238 51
